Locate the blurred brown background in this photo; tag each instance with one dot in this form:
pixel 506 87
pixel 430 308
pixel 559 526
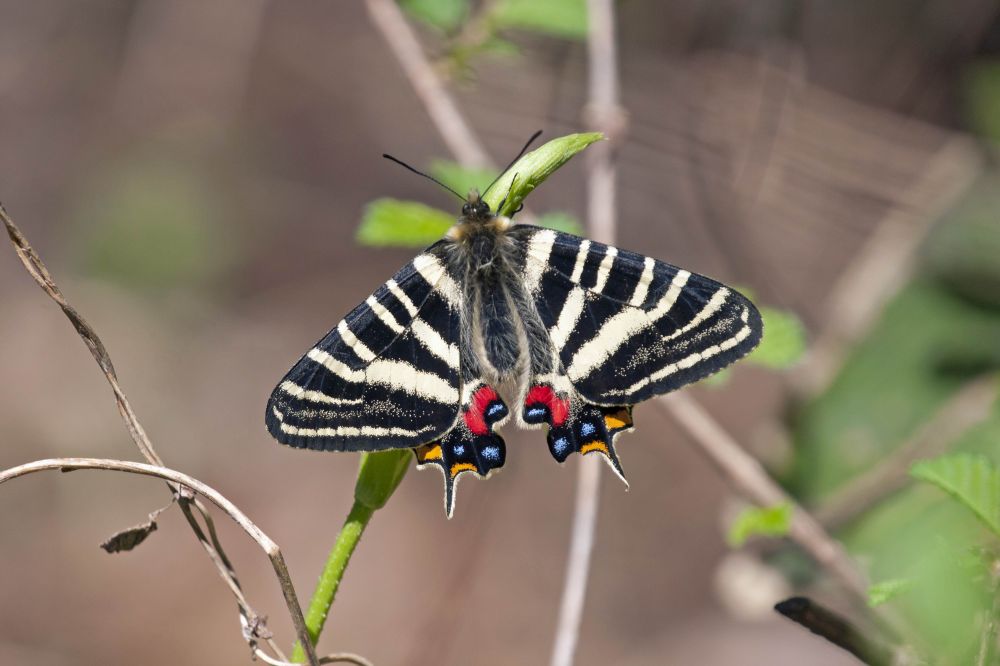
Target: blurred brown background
pixel 193 173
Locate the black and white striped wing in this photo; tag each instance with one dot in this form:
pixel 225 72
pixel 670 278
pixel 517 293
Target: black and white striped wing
pixel 385 377
pixel 627 327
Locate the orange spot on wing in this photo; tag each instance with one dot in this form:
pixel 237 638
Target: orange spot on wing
pixel 618 420
pixel 590 447
pixel 461 467
pixel 428 452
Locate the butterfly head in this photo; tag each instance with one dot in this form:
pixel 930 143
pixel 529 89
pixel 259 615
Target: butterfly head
pixel 475 209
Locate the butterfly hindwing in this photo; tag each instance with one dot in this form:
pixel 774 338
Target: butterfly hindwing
pixel 387 376
pixel 627 327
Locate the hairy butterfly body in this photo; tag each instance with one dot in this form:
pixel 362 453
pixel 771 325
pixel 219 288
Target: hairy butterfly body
pixel 570 331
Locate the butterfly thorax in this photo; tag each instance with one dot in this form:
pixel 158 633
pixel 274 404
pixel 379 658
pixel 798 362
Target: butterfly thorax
pixel 486 259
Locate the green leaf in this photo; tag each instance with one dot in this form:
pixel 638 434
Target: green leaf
pixel 973 480
pixel 561 222
pixel 460 178
pixel 444 15
pixel 784 340
pixel 559 18
pixel 766 521
pixel 379 475
pixel 532 169
pixel 879 593
pixel 402 223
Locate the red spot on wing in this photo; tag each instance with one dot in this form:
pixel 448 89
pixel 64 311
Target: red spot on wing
pixel 558 407
pixel 475 415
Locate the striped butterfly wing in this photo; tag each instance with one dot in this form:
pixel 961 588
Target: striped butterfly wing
pixel 627 327
pixel 386 377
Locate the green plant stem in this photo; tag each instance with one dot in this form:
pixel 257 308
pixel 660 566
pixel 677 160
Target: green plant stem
pixel 329 580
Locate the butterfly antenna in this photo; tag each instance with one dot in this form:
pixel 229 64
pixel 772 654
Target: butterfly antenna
pixel 507 168
pixel 421 173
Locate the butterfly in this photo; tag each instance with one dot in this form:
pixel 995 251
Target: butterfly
pixel 572 332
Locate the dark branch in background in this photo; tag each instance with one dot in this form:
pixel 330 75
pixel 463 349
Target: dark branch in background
pixel 189 504
pixel 824 622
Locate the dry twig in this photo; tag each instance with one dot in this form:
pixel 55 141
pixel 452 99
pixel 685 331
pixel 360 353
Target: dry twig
pixel 603 113
pixel 970 405
pixel 190 506
pixel 746 475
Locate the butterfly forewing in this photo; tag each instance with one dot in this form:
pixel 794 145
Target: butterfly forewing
pixel 627 327
pixel 385 377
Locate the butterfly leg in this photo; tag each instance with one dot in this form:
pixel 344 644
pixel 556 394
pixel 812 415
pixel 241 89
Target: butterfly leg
pixel 576 426
pixel 471 446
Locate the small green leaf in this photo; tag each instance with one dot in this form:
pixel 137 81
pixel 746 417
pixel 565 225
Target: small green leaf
pixel 444 15
pixel 402 223
pixel 784 339
pixel 559 18
pixel 561 222
pixel 973 480
pixel 379 474
pixel 459 178
pixel 766 521
pixel 879 593
pixel 532 169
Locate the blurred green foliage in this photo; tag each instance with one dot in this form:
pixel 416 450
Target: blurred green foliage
pixel 912 361
pixel 980 91
pixel 153 225
pixel 880 593
pixel 973 480
pixel 446 15
pixel 941 331
pixel 559 18
pixel 784 340
pixel 963 250
pixel 760 521
pixel 391 222
pixel 471 30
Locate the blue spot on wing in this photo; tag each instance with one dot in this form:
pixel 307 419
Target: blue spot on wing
pixel 560 445
pixel 491 453
pixel 587 429
pixel 496 408
pixel 458 449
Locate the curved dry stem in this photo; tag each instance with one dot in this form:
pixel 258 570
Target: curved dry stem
pixel 189 482
pixel 38 271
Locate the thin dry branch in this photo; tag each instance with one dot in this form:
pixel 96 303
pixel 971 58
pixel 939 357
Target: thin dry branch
pixel 970 405
pixel 746 475
pixel 886 262
pixel 189 506
pixel 603 113
pixel 438 102
pixel 447 118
